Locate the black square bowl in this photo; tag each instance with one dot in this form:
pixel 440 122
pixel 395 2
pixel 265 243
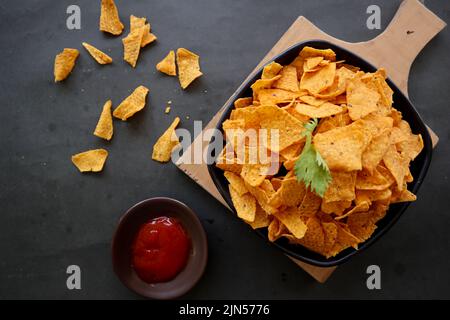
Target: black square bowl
pixel 418 167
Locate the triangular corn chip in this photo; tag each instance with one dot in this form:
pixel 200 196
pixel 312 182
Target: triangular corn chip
pixel 188 67
pixel 167 65
pixel 162 150
pixel 64 63
pixel 92 160
pixel 109 18
pixel 133 103
pixel 98 55
pixel 104 128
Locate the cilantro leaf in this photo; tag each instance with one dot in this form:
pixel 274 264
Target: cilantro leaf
pixel 310 167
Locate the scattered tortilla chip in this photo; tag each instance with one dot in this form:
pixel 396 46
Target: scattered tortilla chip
pixel 162 150
pixel 104 128
pixel 109 18
pixel 64 63
pixel 99 56
pixel 167 65
pixel 147 37
pixel 188 67
pixel 133 103
pixel 92 160
pixel 167 110
pixel 323 111
pixel 245 205
pixel 132 45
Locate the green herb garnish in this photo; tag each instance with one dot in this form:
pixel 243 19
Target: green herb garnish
pixel 310 167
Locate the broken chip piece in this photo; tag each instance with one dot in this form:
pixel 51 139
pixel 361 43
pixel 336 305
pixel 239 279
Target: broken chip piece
pixel 91 160
pixel 133 103
pixel 64 63
pixel 162 150
pixel 104 128
pixel 109 18
pixel 98 55
pixel 188 67
pixel 167 65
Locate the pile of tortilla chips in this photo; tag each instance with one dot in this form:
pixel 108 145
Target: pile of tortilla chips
pixel 361 136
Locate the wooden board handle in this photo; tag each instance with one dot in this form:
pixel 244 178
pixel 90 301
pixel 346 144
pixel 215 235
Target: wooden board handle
pixel 412 27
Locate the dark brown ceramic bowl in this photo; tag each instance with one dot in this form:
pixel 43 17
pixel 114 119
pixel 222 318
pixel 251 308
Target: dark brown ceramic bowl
pixel 126 232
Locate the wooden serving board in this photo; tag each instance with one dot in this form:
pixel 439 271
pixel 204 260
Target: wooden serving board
pixel 395 49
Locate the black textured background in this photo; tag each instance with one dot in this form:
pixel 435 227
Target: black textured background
pixel 51 216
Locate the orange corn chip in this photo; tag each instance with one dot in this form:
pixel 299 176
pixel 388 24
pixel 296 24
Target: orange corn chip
pixel 342 187
pixel 245 205
pixel 271 70
pixel 188 67
pixel 133 103
pixel 325 110
pixel 261 218
pixel 288 80
pixel 290 217
pixel 167 65
pixel 243 102
pixel 162 150
pixel 91 160
pixel 98 55
pixel 104 128
pixel 64 63
pixel 361 100
pixel 236 182
pixel 109 18
pixel 318 81
pixel 132 46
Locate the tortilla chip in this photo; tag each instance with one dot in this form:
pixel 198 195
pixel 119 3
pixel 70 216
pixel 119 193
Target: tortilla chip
pixel 402 196
pixel 372 195
pixel 236 182
pixel 109 18
pixel 288 80
pixel 411 147
pixel 375 151
pixel 275 96
pixel 313 101
pixel 290 217
pixel 243 102
pixel 290 193
pixel 330 230
pixel 261 218
pixel 310 204
pixel 314 237
pixel 188 67
pixel 361 207
pixel 341 187
pixel 262 197
pixel 162 150
pixel 271 70
pixel 64 63
pixel 253 174
pixel 397 165
pixel 341 147
pixel 318 81
pixel 167 65
pixel 99 56
pixel 361 225
pixel 147 37
pixel 91 160
pixel 310 64
pixel 361 100
pixel 132 46
pixel 133 103
pixel 104 128
pixel 325 110
pixel 245 205
pixel 275 230
pixel 371 180
pixel 336 207
pixel 227 161
pixel 289 128
pixel 344 240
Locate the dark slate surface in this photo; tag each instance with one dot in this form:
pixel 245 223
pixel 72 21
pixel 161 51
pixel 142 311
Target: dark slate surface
pixel 52 216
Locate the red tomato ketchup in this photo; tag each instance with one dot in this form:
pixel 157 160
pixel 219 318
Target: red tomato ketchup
pixel 160 250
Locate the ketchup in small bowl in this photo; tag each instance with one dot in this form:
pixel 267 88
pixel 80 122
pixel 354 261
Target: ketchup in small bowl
pixel 160 250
